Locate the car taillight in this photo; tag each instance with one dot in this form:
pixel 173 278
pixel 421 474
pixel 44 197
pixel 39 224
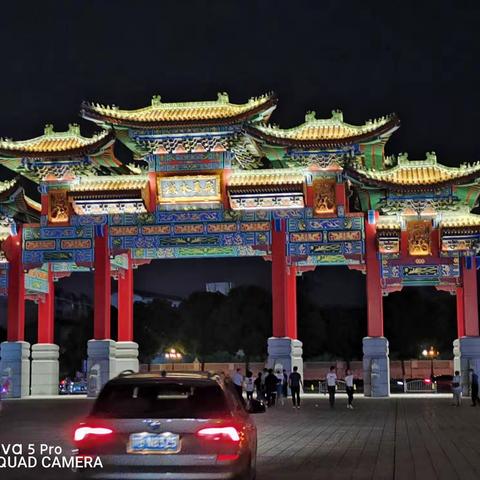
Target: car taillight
pixel 227 457
pixel 83 431
pixel 220 433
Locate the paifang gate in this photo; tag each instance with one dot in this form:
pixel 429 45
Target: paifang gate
pixel 215 179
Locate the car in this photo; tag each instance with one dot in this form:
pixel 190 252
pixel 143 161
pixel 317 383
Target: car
pixel 169 425
pixel 68 387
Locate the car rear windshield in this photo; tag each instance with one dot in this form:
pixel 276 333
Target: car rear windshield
pixel 161 400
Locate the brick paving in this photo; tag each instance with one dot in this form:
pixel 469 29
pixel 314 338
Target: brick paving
pixel 397 438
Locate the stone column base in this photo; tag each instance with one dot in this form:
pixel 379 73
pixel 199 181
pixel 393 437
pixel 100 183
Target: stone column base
pixel 127 356
pixel 101 364
pixel 466 355
pixel 15 365
pixel 376 367
pixel 45 370
pixel 285 353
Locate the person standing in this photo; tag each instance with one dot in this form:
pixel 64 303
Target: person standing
pixel 295 382
pixel 249 385
pixel 349 388
pixel 474 387
pixel 259 384
pixel 331 385
pixel 271 387
pixel 238 382
pixel 457 389
pixel 284 386
pixel 279 396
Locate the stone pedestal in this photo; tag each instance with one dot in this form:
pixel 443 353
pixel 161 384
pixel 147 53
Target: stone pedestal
pixel 127 356
pixel 285 352
pixel 466 355
pixel 45 369
pixel 15 364
pixel 101 364
pixel 376 367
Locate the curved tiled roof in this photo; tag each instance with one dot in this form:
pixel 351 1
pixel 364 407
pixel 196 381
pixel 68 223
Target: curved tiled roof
pixel 330 133
pixel 465 220
pixel 266 177
pixel 56 144
pixel 413 174
pixel 110 183
pixel 182 113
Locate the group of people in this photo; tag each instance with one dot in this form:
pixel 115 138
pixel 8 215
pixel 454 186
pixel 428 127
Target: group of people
pixel 457 388
pixel 270 385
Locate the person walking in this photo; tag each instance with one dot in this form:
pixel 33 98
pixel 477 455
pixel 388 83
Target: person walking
pixel 295 382
pixel 249 385
pixel 284 386
pixel 457 389
pixel 331 385
pixel 259 384
pixel 279 396
pixel 271 387
pixel 474 387
pixel 238 382
pixel 349 388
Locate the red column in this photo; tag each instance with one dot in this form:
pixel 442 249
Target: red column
pixel 152 192
pixel 16 289
pixel 291 299
pixel 101 329
pixel 374 287
pixel 46 313
pixel 125 303
pixel 470 301
pixel 284 286
pixel 460 313
pixel 341 196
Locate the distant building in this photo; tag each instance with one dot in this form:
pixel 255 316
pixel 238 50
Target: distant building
pixel 221 287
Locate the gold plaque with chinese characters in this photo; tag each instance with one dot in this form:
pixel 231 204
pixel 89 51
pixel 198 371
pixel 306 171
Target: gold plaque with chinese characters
pixel 58 207
pixel 324 199
pixel 419 241
pixel 189 189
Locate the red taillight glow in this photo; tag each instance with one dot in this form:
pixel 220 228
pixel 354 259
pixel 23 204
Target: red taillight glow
pixel 220 433
pixel 427 380
pixel 82 432
pixel 227 458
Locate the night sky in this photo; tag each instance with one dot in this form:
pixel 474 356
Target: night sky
pixel 417 58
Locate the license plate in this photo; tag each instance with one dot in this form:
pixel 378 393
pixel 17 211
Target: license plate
pixel 153 443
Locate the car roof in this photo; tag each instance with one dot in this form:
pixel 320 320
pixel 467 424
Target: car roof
pixel 198 378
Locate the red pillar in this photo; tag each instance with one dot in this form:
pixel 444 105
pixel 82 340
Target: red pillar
pixel 284 286
pixel 374 287
pixel 152 192
pixel 101 329
pixel 16 289
pixel 460 313
pixel 125 303
pixel 470 301
pixel 46 313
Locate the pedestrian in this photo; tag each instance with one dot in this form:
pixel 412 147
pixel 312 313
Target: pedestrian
pixel 349 388
pixel 249 385
pixel 295 382
pixel 331 385
pixel 259 384
pixel 238 382
pixel 457 389
pixel 474 387
pixel 279 396
pixel 264 388
pixel 271 387
pixel 284 386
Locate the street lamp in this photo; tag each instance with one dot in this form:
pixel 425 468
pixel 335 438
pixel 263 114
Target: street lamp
pixel 431 354
pixel 173 356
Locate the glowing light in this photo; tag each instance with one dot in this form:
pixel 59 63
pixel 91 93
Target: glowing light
pixel 219 433
pixel 82 432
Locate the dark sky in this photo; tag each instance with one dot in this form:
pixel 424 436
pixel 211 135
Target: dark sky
pixel 368 58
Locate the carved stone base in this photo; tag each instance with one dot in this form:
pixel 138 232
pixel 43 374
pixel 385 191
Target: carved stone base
pixel 286 353
pixel 45 370
pixel 15 366
pixel 376 367
pixel 101 364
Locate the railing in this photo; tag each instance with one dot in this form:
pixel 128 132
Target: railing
pixel 420 386
pixel 341 387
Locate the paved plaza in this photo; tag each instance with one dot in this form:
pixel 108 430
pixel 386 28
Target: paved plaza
pixel 396 438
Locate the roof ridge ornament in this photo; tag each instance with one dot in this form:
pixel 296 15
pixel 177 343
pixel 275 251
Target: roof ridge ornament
pixel 310 116
pixel 402 159
pixel 222 97
pixel 431 157
pixel 156 100
pixel 48 130
pixel 337 115
pixel 74 128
